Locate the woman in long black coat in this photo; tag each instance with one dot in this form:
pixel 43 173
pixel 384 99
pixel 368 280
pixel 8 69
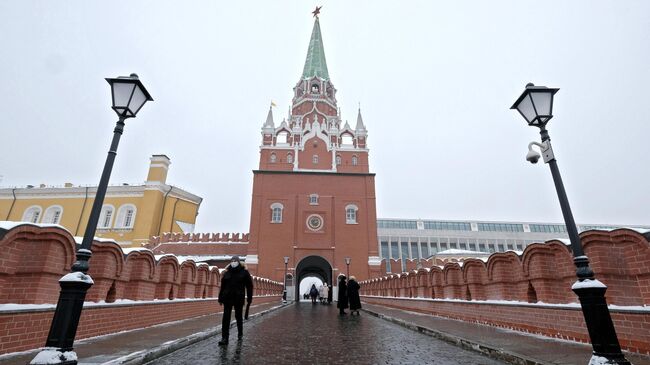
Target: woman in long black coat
pixel 343 295
pixel 353 295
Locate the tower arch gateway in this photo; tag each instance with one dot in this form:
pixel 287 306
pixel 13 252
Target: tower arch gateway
pixel 312 266
pixel 316 237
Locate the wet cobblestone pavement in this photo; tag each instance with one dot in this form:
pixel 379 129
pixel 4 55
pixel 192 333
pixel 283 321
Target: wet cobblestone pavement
pixel 316 334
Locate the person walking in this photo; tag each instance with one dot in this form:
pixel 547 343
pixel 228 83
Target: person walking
pixel 330 295
pixel 313 293
pixel 236 286
pixel 353 295
pixel 343 296
pixel 322 292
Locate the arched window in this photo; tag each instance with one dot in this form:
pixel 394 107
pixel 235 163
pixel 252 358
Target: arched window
pixel 273 158
pixel 125 216
pixel 106 217
pixel 355 160
pixel 314 159
pixel 338 159
pixel 351 214
pixel 347 140
pixel 282 138
pixel 32 214
pixel 289 158
pixel 53 214
pixel 276 212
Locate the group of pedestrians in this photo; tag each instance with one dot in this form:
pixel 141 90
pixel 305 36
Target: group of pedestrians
pixel 348 295
pixel 237 289
pixel 322 293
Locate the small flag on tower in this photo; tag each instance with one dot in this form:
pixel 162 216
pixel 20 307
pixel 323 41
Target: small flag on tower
pixel 273 103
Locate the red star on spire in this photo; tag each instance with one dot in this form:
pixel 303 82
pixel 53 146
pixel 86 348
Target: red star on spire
pixel 317 11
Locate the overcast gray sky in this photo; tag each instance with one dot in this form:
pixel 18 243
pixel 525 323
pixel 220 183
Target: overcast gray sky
pixel 435 80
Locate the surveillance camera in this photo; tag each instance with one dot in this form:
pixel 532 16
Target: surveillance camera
pixel 532 156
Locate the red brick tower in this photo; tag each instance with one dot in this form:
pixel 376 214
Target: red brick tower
pixel 313 195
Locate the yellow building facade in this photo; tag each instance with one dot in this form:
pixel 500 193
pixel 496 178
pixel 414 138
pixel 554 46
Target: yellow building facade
pixel 131 214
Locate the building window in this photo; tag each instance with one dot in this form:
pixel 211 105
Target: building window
pixel 351 214
pixel 313 199
pixel 338 159
pixel 32 214
pixel 289 158
pixel 126 216
pixel 355 160
pixel 314 159
pixel 347 140
pixel 276 212
pixel 106 217
pixel 273 158
pixel 53 214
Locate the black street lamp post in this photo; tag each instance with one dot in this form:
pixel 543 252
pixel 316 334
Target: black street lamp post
pixel 536 106
pixel 347 264
pixel 129 95
pixel 284 282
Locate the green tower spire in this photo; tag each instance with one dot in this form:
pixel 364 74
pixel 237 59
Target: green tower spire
pixel 315 65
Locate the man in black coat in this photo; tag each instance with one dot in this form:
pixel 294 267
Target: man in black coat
pixel 343 295
pixel 236 285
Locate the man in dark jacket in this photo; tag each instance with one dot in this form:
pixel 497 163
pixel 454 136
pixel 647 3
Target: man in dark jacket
pixel 236 285
pixel 343 295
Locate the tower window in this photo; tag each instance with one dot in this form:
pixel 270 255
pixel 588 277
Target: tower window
pixel 351 214
pixel 313 199
pixel 355 160
pixel 315 89
pixel 53 214
pixel 282 138
pixel 276 212
pixel 338 159
pixel 273 158
pixel 32 214
pixel 126 216
pixel 314 159
pixel 347 140
pixel 289 158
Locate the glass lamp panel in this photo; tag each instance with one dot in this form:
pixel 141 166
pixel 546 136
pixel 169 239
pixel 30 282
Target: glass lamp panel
pixel 542 101
pixel 526 109
pixel 138 100
pixel 122 93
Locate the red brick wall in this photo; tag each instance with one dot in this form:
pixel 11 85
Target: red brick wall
pixel 544 273
pixel 29 278
pixel 566 323
pixel 25 330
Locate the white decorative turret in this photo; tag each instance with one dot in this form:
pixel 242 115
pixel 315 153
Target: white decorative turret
pixel 269 126
pixel 360 129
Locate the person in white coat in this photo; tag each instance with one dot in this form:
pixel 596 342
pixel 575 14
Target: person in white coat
pixel 323 292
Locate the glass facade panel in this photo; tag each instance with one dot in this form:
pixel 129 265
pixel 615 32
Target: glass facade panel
pixel 425 249
pixel 394 250
pixel 548 228
pixel 415 254
pixel 501 247
pixel 405 253
pixel 447 226
pixel 500 227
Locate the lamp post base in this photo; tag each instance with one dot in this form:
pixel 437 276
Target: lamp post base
pixel 60 340
pixel 606 348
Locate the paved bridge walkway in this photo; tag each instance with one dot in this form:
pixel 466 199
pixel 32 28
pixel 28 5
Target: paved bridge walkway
pixel 316 334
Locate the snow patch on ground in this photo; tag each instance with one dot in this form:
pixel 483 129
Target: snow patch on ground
pixel 599 360
pixel 52 355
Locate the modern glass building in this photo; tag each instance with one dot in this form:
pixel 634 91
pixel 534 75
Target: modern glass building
pixel 416 239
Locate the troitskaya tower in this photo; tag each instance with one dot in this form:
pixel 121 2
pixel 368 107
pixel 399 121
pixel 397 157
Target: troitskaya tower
pixel 313 195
